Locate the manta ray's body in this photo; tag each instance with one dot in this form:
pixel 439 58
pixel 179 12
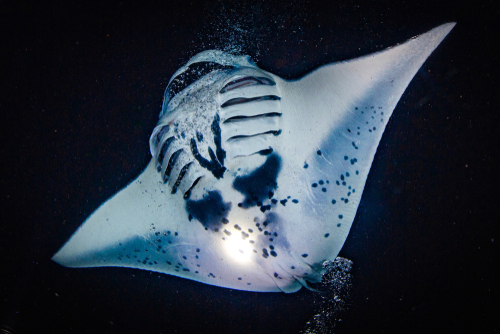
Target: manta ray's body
pixel 255 180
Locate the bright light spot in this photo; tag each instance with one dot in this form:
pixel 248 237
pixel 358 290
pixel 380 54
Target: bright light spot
pixel 239 249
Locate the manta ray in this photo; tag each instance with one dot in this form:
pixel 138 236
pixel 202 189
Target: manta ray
pixel 254 180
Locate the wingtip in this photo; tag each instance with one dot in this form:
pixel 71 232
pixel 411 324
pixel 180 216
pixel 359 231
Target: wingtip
pixel 444 29
pixel 424 44
pixel 448 26
pixel 59 258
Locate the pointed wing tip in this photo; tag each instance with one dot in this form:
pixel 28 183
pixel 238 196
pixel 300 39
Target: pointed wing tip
pixel 60 258
pixel 440 31
pixel 446 28
pixel 449 25
pixel 67 257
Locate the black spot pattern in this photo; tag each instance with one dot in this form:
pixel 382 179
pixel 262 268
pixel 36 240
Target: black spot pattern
pixel 257 185
pixel 210 211
pixel 348 156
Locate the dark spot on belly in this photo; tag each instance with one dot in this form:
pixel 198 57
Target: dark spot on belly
pixel 259 184
pixel 210 210
pixel 265 207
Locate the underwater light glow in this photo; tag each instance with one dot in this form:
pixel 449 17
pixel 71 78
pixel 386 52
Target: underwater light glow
pixel 239 249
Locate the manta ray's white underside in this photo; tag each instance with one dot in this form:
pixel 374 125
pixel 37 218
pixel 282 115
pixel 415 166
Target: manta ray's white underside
pixel 255 180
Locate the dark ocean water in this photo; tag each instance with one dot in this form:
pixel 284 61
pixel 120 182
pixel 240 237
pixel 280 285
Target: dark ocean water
pixel 82 87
